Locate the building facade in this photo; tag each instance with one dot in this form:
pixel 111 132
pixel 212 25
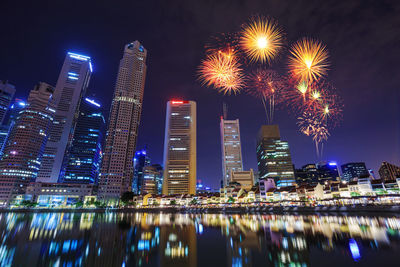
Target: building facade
pixel 126 108
pixel 389 171
pixel 83 158
pixel 149 181
pixel 140 161
pixel 231 148
pixel 71 86
pixel 26 143
pixel 244 178
pixel 354 170
pixel 7 92
pixel 273 156
pixel 180 148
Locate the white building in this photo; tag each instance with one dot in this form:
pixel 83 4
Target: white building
pixel 244 178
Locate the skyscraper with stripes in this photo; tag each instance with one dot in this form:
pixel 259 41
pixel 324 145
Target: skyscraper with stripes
pixel 121 137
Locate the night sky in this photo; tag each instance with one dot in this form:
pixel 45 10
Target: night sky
pixel 362 37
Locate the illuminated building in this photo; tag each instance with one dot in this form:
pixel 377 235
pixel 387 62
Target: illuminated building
pixel 71 86
pixel 354 170
pixel 140 161
pixel 273 156
pixel 121 137
pixel 327 171
pixel 244 178
pixel 83 159
pixel 7 92
pixel 180 148
pixel 159 178
pixel 149 180
pixel 26 142
pixel 389 171
pixel 231 148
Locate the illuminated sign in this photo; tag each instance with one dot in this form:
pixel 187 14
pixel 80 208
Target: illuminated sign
pixel 92 102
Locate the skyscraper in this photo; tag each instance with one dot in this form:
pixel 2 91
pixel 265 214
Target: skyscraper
pixel 353 170
pixel 126 108
pixel 180 148
pixel 389 171
pixel 273 156
pixel 7 92
pixel 140 161
pixel 231 148
pixel 71 86
pixel 82 161
pixel 25 145
pixel 149 180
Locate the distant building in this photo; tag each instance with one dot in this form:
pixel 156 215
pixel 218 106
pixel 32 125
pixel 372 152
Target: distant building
pixel 389 171
pixel 308 174
pixel 273 156
pixel 83 159
pixel 321 172
pixel 244 178
pixel 180 148
pixel 7 92
pixel 140 161
pixel 149 180
pixel 354 170
pixel 121 137
pixel 231 148
pixel 71 86
pixel 159 178
pixel 26 142
pixel 327 171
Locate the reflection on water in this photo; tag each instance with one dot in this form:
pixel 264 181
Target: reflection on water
pixel 143 239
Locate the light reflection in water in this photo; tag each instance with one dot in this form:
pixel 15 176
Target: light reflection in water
pixel 142 239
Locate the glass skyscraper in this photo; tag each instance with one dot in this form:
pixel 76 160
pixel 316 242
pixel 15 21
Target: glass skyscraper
pixel 273 157
pixel 71 87
pixel 7 92
pixel 83 159
pixel 140 161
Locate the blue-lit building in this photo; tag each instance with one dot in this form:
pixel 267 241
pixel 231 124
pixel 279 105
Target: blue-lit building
pixel 82 160
pixel 140 161
pixel 328 171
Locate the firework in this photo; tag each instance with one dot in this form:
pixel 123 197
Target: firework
pixel 261 39
pixel 268 85
pixel 308 60
pixel 223 71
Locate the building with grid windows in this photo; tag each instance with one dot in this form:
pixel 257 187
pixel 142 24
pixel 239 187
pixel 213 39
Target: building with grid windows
pixel 231 148
pixel 273 157
pixel 180 148
pixel 7 92
pixel 25 145
pixel 121 137
pixel 354 170
pixel 389 171
pixel 71 87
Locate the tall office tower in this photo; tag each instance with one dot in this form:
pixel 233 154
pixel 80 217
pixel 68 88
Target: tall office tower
pixel 7 92
pixel 26 143
pixel 149 180
pixel 389 171
pixel 273 156
pixel 159 178
pixel 83 158
pixel 180 148
pixel 354 170
pixel 71 86
pixel 117 167
pixel 231 148
pixel 140 161
pixel 327 171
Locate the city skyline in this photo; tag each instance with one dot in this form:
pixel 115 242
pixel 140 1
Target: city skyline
pixel 352 141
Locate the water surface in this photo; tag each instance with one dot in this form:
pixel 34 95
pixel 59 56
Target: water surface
pixel 152 239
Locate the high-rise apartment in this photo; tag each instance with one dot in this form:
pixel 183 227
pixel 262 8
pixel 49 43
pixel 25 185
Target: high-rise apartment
pixel 231 148
pixel 7 92
pixel 25 146
pixel 273 156
pixel 180 148
pixel 71 86
pixel 354 170
pixel 121 137
pixel 389 171
pixel 83 158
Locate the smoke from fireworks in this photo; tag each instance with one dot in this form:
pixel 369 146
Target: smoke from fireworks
pixel 223 71
pixel 261 39
pixel 308 60
pixel 268 85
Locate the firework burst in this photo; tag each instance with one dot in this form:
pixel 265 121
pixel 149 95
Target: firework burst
pixel 222 70
pixel 261 39
pixel 308 60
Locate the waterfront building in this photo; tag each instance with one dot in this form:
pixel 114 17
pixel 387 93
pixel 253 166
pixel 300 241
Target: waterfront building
pixel 26 142
pixel 140 161
pixel 244 178
pixel 71 86
pixel 265 186
pixel 149 180
pixel 180 148
pixel 83 158
pixel 121 137
pixel 231 148
pixel 354 170
pixel 273 156
pixel 7 92
pixel 389 171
